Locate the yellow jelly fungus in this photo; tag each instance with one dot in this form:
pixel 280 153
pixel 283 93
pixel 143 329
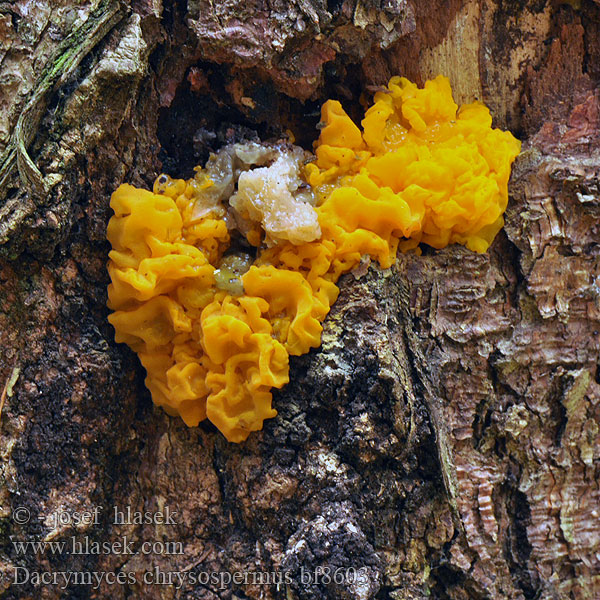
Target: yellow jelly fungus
pixel 213 330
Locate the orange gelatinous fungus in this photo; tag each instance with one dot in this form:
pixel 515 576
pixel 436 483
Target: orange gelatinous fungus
pixel 214 328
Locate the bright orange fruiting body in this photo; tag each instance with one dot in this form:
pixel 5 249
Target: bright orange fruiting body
pixel 419 171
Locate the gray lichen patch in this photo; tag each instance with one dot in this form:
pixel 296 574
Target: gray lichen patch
pixel 118 71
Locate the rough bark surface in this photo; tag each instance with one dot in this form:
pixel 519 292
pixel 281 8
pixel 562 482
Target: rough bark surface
pixel 444 442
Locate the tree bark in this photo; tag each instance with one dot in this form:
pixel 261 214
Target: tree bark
pixel 444 441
